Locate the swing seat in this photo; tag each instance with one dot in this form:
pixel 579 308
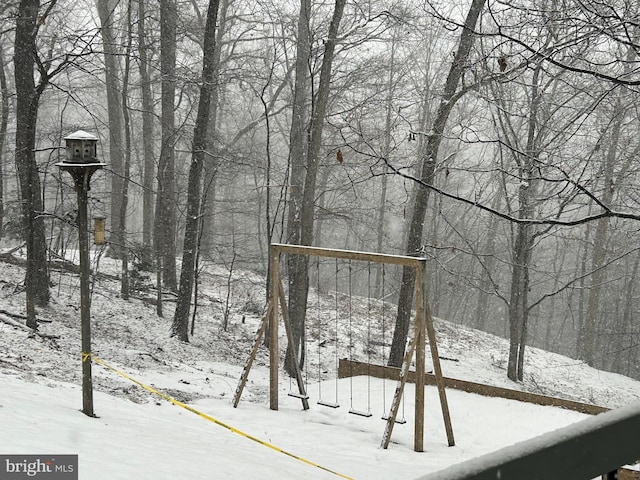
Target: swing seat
pixel 401 421
pixel 328 404
pixel 360 413
pixel 298 395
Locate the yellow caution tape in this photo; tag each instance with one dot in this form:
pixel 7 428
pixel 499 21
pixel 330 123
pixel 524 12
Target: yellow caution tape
pixel 210 418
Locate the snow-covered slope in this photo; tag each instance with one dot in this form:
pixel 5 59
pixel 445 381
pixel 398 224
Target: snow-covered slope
pixel 138 435
pixel 483 358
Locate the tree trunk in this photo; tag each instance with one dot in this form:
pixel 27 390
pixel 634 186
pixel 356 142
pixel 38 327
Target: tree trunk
pixel 523 244
pixel 27 102
pixel 486 283
pixel 586 336
pixel 625 338
pixel 147 132
pixel 211 163
pixel 384 180
pixel 583 266
pixel 122 225
pixel 180 325
pixel 297 162
pixel 165 221
pixel 299 276
pixel 321 199
pixel 414 238
pixel 106 11
pixel 558 269
pixel 4 121
pixel 518 300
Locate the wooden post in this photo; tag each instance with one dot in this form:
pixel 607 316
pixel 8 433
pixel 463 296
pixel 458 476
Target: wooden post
pixel 421 300
pixel 274 356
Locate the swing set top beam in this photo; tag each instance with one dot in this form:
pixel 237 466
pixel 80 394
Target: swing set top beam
pixel 403 260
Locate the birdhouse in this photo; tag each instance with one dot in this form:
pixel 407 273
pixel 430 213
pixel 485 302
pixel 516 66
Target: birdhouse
pixel 81 147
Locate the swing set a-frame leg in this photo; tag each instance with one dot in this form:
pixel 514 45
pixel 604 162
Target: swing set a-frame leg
pixel 423 328
pixel 252 355
pixel 437 370
pixel 256 344
pixel 397 396
pixel 296 366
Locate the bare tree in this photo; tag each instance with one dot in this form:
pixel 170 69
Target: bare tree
pixel 122 218
pixel 28 21
pixel 180 325
pixel 165 219
pixel 147 128
pixel 587 334
pixel 213 161
pixel 299 275
pixel 297 162
pixel 4 122
pixel 434 139
pixel 107 13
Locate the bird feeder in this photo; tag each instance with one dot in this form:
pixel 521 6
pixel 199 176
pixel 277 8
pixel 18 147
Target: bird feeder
pixel 98 230
pixel 81 160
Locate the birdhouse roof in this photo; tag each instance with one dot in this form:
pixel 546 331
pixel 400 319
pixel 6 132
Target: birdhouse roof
pixel 81 135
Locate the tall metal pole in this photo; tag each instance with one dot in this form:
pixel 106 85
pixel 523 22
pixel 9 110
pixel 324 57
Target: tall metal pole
pixel 81 174
pixel 82 186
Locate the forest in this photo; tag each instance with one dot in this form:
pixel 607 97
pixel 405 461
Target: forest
pixel 495 138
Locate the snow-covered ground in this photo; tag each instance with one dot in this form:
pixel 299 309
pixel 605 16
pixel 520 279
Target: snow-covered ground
pixel 138 435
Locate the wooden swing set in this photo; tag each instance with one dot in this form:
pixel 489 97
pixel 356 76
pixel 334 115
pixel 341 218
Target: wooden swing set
pixel 423 329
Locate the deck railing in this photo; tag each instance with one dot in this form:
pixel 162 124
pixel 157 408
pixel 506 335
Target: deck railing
pixel 580 451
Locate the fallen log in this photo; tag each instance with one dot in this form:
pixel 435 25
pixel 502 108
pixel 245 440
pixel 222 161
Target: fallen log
pixel 14 323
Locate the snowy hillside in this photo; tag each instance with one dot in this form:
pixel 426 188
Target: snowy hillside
pixel 138 435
